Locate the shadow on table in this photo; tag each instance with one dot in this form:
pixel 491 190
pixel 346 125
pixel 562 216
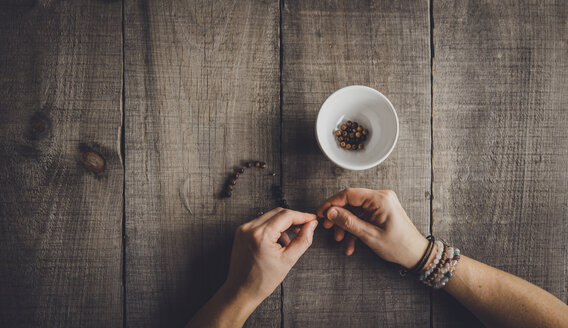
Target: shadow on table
pixel 206 271
pixel 304 165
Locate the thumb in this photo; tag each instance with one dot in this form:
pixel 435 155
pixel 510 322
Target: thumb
pixel 351 223
pixel 302 242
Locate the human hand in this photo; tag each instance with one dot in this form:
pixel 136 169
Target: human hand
pixel 378 219
pixel 258 262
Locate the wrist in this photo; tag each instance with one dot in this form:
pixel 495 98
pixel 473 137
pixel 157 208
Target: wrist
pixel 239 299
pixel 415 251
pixel 229 307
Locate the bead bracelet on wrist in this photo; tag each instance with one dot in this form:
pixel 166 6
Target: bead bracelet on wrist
pixel 438 273
pixel 454 258
pixel 429 268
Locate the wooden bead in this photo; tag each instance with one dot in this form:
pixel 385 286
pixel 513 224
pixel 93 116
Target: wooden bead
pixel 351 135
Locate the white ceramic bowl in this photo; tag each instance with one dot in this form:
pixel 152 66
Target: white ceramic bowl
pixel 367 107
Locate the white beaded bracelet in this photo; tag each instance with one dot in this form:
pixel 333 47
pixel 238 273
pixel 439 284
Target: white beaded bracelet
pixel 433 265
pixel 447 272
pixel 438 273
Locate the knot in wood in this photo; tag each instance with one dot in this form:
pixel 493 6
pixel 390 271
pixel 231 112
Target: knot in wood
pixel 337 171
pixel 38 125
pixel 93 161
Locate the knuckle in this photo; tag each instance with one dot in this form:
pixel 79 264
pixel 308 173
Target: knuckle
pixel 279 209
pixel 348 223
pixel 241 230
pixel 308 241
pixel 257 234
pixel 390 193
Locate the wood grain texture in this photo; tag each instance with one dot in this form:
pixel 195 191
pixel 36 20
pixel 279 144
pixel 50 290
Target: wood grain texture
pixel 202 96
pixel 501 139
pixel 328 45
pixel 60 220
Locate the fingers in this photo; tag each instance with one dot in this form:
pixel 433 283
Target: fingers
pixel 327 224
pixel 351 223
pixel 302 242
pixel 286 218
pixel 339 233
pixel 284 239
pixel 265 217
pixel 349 196
pixel 350 244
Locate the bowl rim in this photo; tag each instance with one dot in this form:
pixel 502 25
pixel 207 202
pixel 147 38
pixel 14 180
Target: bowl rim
pixel 380 160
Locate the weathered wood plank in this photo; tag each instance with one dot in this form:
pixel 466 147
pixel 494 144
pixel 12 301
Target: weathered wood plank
pixel 501 139
pixel 60 223
pixel 202 96
pixel 328 45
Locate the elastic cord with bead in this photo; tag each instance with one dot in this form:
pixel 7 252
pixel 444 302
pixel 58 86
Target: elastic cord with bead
pixel 448 269
pixel 428 271
pixel 423 259
pixel 434 268
pixel 438 274
pixel 438 268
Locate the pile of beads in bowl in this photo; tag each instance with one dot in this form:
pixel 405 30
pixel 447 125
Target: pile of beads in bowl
pixel 351 135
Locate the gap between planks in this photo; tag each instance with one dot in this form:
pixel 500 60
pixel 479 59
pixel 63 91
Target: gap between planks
pixel 123 158
pixel 431 25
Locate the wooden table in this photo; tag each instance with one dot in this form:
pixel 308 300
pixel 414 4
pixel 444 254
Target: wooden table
pixel 116 118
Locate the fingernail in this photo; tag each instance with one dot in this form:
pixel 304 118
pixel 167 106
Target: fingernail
pixel 332 214
pixel 314 225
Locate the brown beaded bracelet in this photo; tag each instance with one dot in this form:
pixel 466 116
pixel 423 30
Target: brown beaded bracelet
pixel 439 266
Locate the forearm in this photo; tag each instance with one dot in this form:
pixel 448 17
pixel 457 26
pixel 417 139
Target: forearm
pixel 500 299
pixel 229 307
